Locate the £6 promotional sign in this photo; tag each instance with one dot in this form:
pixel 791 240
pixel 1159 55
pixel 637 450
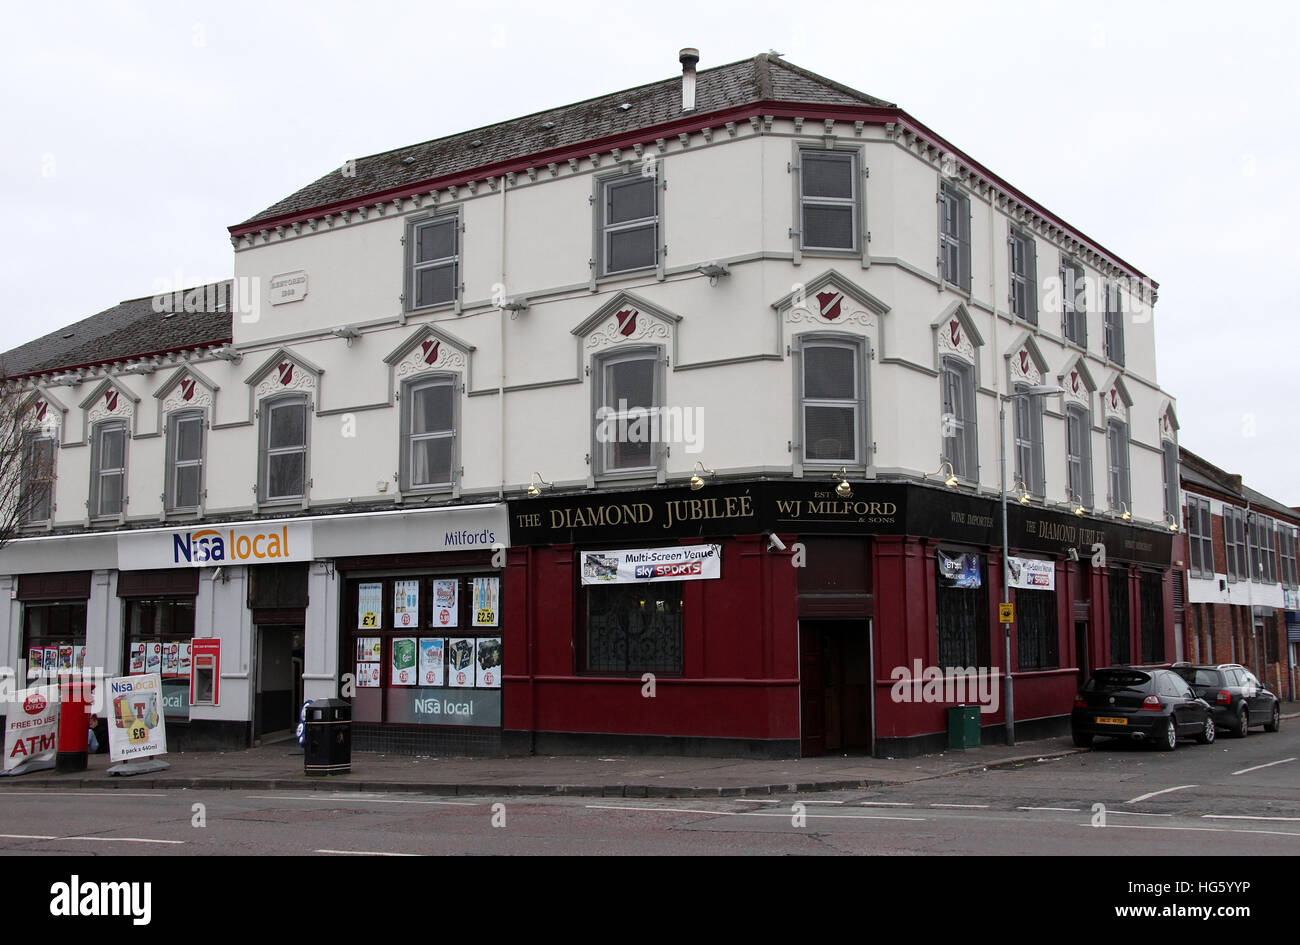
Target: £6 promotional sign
pixel 136 727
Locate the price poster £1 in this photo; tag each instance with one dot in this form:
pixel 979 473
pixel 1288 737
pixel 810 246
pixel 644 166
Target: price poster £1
pixel 444 602
pixel 370 603
pixel 406 604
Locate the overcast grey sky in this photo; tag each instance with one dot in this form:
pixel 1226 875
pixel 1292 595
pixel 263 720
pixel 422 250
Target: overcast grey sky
pixel 135 133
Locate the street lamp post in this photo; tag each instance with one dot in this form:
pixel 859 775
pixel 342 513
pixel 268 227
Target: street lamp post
pixel 1008 687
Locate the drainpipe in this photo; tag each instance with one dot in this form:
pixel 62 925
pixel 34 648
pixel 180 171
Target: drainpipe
pixel 501 348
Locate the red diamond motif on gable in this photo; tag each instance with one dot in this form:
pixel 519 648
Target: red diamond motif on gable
pixel 286 372
pixel 1114 397
pixel 1074 381
pixel 110 400
pixel 430 350
pixel 829 304
pixel 187 389
pixel 954 329
pixel 1024 361
pixel 626 322
pixel 40 410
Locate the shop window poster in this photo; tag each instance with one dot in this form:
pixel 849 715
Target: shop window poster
pixel 51 660
pixel 489 662
pixel 35 660
pixel 370 602
pixel 185 661
pixel 368 675
pixel 432 659
pixel 368 649
pixel 404 672
pixel 406 604
pixel 460 664
pixel 65 659
pixel 444 602
pixel 152 657
pixel 137 659
pixel 487 597
pixel 171 659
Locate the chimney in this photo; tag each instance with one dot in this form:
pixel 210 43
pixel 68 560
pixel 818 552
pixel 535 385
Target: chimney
pixel 688 58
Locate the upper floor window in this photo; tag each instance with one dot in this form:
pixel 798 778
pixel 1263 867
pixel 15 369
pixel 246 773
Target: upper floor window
pixel 1074 303
pixel 429 433
pixel 1234 543
pixel 1170 462
pixel 628 223
pixel 828 200
pixel 1261 534
pixel 1117 464
pixel 954 236
pixel 1078 454
pixel 959 435
pixel 1286 537
pixel 1029 441
pixel 184 489
pixel 628 393
pixel 833 402
pixel 108 468
pixel 1114 325
pixel 1024 276
pixel 434 252
pixel 36 496
pixel 283 461
pixel 1200 541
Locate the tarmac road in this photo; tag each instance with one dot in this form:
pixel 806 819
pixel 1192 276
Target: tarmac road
pixel 1236 797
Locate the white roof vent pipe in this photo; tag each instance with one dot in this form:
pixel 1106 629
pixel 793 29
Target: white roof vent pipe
pixel 688 57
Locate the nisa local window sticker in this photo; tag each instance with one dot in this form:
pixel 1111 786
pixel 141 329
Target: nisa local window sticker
pixel 211 546
pixel 641 565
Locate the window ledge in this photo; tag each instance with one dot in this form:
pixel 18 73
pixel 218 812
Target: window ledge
pixel 432 307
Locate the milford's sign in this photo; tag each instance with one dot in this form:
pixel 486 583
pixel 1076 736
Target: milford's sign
pixel 262 543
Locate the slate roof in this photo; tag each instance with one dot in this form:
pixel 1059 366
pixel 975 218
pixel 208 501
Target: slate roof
pixel 764 78
pixel 128 329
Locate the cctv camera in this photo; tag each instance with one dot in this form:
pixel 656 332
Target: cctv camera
pixel 774 543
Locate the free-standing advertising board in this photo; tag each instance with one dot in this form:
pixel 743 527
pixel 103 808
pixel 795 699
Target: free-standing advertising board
pixel 136 720
pixel 31 725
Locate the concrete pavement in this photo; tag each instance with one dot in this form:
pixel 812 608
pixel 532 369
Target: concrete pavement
pixel 277 767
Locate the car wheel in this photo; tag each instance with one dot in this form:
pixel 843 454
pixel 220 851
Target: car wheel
pixel 1082 741
pixel 1207 734
pixel 1242 728
pixel 1273 724
pixel 1168 739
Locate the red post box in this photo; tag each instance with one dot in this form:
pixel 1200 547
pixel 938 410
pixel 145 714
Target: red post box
pixel 74 705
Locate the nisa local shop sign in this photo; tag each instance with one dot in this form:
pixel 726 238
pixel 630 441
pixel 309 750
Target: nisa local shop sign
pixel 213 546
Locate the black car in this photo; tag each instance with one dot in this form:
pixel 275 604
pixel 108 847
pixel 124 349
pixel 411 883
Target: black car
pixel 1238 698
pixel 1152 705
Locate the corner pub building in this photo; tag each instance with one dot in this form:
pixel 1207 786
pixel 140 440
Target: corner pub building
pixel 799 498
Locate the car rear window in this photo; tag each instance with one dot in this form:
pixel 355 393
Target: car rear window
pixel 1118 679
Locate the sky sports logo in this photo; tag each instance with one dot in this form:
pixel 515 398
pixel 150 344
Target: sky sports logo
pixel 686 568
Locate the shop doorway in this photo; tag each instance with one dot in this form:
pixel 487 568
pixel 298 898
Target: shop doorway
pixel 1081 651
pixel 835 687
pixel 279 691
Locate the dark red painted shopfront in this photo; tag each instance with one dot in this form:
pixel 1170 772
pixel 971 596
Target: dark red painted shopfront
pixel 796 651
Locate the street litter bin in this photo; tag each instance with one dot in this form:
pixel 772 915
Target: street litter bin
pixel 328 748
pixel 964 727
